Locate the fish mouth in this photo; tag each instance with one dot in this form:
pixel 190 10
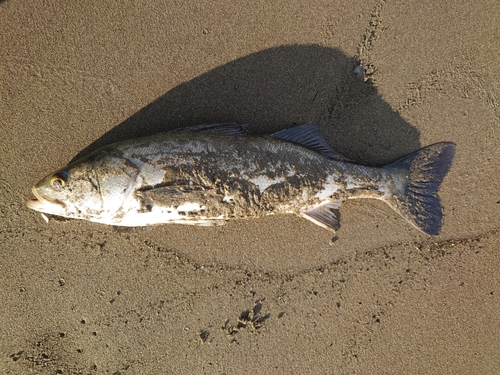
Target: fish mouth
pixel 44 204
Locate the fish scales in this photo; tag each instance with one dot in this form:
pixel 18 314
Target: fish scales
pixel 252 170
pixel 213 173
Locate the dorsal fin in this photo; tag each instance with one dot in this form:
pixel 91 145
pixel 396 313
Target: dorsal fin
pixel 308 136
pixel 230 128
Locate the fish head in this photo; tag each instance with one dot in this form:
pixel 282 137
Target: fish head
pixel 93 188
pixel 71 192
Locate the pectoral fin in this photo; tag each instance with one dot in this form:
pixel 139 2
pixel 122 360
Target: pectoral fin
pixel 130 187
pixel 327 215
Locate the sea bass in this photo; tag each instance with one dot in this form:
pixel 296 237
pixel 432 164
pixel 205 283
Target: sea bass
pixel 208 174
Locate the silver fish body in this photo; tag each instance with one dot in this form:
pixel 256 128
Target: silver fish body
pixel 206 175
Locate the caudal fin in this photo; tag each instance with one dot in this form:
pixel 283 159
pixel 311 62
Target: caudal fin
pixel 423 171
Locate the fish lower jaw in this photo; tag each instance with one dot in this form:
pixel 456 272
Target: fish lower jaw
pixel 46 205
pixel 35 204
pixel 46 208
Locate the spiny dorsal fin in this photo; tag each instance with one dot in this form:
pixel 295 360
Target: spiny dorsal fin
pixel 327 215
pixel 308 136
pixel 230 128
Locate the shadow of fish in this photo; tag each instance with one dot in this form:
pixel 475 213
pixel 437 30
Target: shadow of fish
pixel 208 174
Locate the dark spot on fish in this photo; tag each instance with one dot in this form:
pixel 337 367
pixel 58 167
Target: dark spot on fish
pixel 93 183
pixel 235 172
pixel 189 213
pixel 170 177
pixel 140 157
pixel 271 174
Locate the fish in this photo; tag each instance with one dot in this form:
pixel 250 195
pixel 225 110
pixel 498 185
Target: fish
pixel 209 174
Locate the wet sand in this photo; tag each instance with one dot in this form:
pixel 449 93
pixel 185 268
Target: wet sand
pixel 276 295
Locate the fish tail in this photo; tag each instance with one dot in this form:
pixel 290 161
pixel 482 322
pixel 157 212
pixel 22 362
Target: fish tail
pixel 423 171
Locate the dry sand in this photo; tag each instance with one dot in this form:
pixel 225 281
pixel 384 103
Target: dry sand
pixel 268 296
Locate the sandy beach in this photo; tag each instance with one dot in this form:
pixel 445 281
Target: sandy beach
pixel 276 295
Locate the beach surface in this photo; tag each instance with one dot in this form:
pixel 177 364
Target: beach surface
pixel 276 295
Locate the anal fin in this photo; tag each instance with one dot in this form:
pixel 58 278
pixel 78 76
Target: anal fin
pixel 326 215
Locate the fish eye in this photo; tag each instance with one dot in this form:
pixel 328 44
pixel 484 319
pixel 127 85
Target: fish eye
pixel 58 180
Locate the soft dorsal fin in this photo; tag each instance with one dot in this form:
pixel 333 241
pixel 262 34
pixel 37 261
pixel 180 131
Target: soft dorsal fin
pixel 230 128
pixel 308 136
